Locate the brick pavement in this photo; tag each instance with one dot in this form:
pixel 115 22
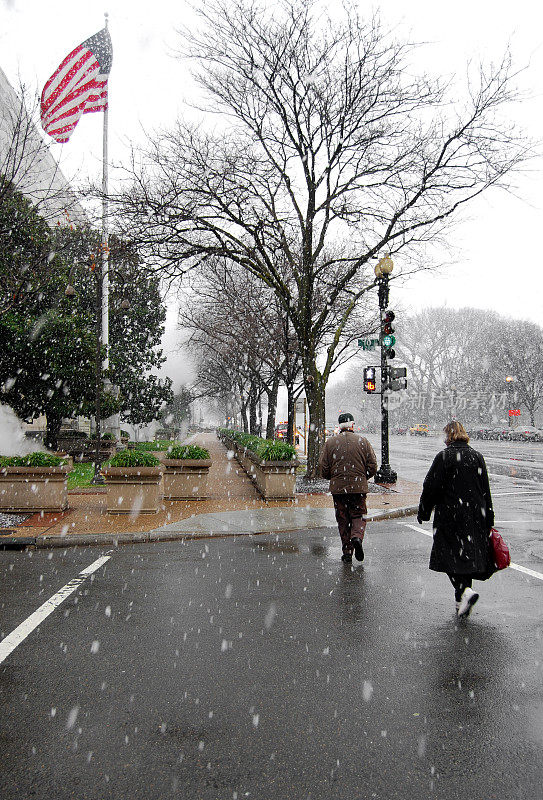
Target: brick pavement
pixel 230 489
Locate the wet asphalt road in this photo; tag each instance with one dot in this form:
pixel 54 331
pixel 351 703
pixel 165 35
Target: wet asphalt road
pixel 262 667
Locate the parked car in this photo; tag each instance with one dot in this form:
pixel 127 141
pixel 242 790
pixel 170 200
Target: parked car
pixel 419 430
pixel 480 432
pixel 281 431
pixel 500 433
pixel 400 430
pixel 528 434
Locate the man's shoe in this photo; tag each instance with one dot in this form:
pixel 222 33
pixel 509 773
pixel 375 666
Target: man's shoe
pixel 356 541
pixel 347 558
pixel 467 601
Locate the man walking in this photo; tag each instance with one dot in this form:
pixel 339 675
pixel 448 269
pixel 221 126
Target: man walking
pixel 347 461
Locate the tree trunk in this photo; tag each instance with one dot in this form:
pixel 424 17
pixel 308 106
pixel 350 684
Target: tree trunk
pixel 244 420
pixel 259 425
pixel 253 428
pixel 315 390
pixel 54 424
pixel 272 409
pixel 291 419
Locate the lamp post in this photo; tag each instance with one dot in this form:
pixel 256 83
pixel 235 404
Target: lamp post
pixel 383 270
pixel 510 380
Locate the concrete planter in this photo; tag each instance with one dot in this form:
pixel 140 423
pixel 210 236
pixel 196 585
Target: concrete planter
pixel 228 443
pixel 186 479
pixel 67 458
pixel 72 444
pixel 33 489
pixel 134 490
pixel 274 479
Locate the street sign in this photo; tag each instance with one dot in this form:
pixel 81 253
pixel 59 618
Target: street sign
pixel 514 412
pixel 368 344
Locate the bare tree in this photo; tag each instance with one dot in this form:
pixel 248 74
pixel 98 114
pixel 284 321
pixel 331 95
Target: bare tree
pixel 331 154
pixel 230 311
pixel 34 196
pixel 26 162
pixel 230 308
pixel 520 344
pixel 467 354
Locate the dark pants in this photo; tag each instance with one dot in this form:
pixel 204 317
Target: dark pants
pixel 350 510
pixel 460 582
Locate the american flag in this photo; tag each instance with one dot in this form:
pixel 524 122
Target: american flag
pixel 78 86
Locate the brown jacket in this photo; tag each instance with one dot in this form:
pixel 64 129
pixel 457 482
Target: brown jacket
pixel 348 460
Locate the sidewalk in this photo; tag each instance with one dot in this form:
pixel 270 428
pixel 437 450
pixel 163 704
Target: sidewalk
pixel 234 507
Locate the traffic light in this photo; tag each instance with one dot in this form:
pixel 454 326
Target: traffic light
pixel 397 378
pixel 369 380
pixel 387 339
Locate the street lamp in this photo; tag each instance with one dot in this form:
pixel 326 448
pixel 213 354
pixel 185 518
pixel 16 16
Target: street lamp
pixel 510 380
pixel 383 270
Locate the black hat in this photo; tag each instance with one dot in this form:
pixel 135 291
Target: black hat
pixel 345 420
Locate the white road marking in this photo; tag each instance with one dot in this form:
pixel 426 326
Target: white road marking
pixel 513 494
pixel 20 633
pixel 534 481
pixel 512 565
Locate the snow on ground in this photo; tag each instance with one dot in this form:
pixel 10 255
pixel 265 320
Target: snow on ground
pixel 11 520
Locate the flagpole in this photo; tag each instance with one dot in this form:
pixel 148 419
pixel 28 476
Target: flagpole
pixel 105 237
pixel 102 325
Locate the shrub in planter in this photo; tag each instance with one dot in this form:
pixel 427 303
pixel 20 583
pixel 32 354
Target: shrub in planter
pixel 273 450
pixel 265 449
pixel 133 483
pixel 38 459
pixel 36 482
pixel 186 472
pixel 187 451
pixel 73 434
pixel 134 458
pixel 158 446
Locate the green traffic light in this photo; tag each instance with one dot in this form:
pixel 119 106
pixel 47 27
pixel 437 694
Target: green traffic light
pixel 389 340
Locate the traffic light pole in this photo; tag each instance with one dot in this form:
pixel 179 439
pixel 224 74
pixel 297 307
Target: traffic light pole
pixel 385 474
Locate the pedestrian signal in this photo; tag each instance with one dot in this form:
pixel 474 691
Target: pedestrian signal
pixel 369 380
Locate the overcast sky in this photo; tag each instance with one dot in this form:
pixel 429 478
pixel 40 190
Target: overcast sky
pixel 497 260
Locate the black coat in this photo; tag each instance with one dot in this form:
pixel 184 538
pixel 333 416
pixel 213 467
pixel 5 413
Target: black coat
pixel 457 487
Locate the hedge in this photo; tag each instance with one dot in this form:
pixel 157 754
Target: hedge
pixel 264 449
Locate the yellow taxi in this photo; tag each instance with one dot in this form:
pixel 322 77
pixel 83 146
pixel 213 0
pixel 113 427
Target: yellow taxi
pixel 419 430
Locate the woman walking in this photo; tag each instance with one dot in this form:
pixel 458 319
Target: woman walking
pixel 457 487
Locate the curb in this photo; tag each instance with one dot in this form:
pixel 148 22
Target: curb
pixel 116 539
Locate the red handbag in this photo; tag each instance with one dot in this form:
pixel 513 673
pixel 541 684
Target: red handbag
pixel 502 556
